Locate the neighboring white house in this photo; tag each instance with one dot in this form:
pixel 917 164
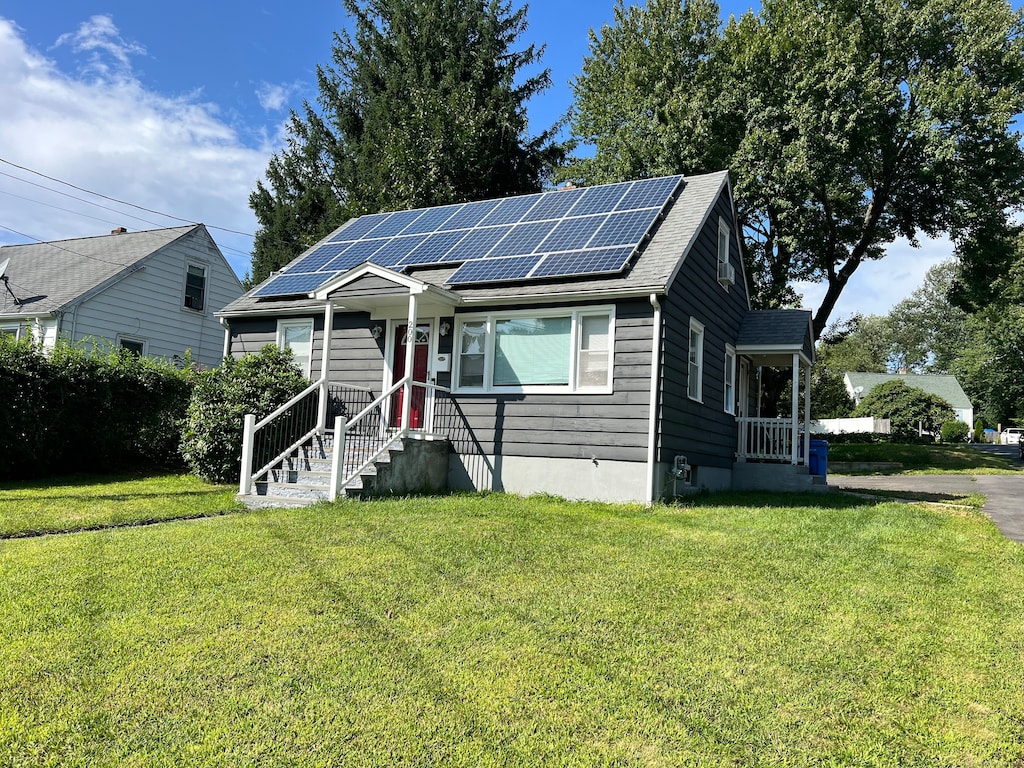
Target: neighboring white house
pixel 947 387
pixel 153 292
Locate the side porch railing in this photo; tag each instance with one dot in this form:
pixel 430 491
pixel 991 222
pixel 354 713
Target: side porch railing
pixel 361 424
pixel 763 439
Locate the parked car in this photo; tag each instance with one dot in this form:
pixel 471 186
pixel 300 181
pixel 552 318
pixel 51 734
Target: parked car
pixel 1011 435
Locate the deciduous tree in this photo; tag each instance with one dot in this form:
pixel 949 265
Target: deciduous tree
pixel 846 124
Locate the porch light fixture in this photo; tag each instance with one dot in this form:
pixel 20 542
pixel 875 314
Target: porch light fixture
pixel 376 331
pixel 445 328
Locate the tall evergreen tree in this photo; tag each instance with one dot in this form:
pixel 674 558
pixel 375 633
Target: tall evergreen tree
pixel 423 103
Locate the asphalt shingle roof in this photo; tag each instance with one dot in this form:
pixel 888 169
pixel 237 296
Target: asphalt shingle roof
pixel 47 277
pixel 944 386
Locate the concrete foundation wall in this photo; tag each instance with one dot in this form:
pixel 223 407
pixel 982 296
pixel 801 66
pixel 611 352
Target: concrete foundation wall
pixel 421 467
pixel 596 480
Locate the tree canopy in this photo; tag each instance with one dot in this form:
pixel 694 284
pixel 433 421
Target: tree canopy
pixel 423 103
pixel 845 124
pixel 908 409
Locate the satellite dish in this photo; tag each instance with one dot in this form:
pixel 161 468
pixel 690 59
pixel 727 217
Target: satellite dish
pixel 3 267
pixel 858 390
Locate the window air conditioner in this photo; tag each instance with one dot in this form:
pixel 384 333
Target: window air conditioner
pixel 193 302
pixel 726 273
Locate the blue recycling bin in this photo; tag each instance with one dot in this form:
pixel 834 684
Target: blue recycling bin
pixel 818 460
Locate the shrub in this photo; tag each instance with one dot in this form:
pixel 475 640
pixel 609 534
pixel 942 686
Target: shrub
pixel 73 410
pixel 906 408
pixel 954 432
pixel 211 441
pixel 979 431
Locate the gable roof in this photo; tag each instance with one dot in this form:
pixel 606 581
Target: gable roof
pixel 944 386
pixel 776 331
pixel 48 277
pixel 651 271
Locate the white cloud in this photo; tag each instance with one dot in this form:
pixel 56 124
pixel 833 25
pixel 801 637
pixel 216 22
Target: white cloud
pixel 877 286
pixel 274 97
pixel 112 135
pixel 99 36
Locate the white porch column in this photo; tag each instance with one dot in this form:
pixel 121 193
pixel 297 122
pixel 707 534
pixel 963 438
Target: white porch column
pixel 796 405
pixel 410 356
pixel 807 415
pixel 325 363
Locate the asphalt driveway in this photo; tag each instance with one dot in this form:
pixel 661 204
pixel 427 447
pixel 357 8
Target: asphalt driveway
pixel 1004 494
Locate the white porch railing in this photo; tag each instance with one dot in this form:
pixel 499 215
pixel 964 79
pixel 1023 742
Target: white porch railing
pixel 768 440
pixel 358 441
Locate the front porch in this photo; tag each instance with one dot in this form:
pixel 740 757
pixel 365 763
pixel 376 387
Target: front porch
pixel 774 452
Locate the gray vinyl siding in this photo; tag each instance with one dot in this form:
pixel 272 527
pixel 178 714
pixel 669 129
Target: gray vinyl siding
pixel 148 304
pixel 356 357
pixel 573 426
pixel 370 286
pixel 701 431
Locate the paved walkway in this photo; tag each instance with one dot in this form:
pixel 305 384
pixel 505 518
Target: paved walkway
pixel 1004 493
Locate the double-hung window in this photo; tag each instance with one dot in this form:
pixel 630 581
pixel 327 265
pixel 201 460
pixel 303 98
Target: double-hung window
pixel 542 351
pixel 195 287
pixel 695 369
pixel 297 335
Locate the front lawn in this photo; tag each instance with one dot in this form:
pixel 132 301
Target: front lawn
pixel 88 502
pixel 921 459
pixel 496 631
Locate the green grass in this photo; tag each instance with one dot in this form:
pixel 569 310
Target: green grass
pixel 87 502
pixel 496 631
pixel 923 459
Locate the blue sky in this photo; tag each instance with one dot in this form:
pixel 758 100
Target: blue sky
pixel 176 108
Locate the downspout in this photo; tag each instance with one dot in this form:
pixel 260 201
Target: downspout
pixel 227 337
pixel 652 419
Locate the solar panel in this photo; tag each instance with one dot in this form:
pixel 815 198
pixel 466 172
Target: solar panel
pixel 360 227
pixel 510 210
pixel 395 223
pixel 584 262
pixel 494 270
pixel 572 233
pixel 524 238
pixel 623 228
pixel 432 220
pixel 649 193
pixel 554 206
pixel 288 284
pixel 470 215
pixel 393 251
pixel 318 257
pixel 434 248
pixel 599 199
pixel 586 231
pixel 477 243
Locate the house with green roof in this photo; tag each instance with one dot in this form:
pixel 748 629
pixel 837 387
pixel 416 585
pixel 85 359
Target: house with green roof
pixel 947 387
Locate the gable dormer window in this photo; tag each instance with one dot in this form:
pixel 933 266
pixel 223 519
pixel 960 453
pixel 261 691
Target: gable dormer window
pixel 195 287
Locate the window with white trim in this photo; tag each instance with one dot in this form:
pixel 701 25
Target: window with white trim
pixel 11 329
pixel 695 375
pixel 195 287
pixel 730 379
pixel 539 351
pixel 134 345
pixel 723 243
pixel 297 335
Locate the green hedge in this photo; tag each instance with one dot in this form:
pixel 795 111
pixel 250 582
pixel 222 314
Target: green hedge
pixel 77 411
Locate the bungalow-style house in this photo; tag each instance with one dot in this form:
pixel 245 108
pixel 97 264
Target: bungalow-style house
pixel 859 385
pixel 589 342
pixel 154 292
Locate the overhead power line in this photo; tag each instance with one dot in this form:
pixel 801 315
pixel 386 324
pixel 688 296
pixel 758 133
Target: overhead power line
pixel 112 199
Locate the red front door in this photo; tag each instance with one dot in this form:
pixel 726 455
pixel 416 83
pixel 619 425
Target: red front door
pixel 417 410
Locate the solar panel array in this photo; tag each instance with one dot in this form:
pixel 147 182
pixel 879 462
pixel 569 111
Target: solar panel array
pixel 574 232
